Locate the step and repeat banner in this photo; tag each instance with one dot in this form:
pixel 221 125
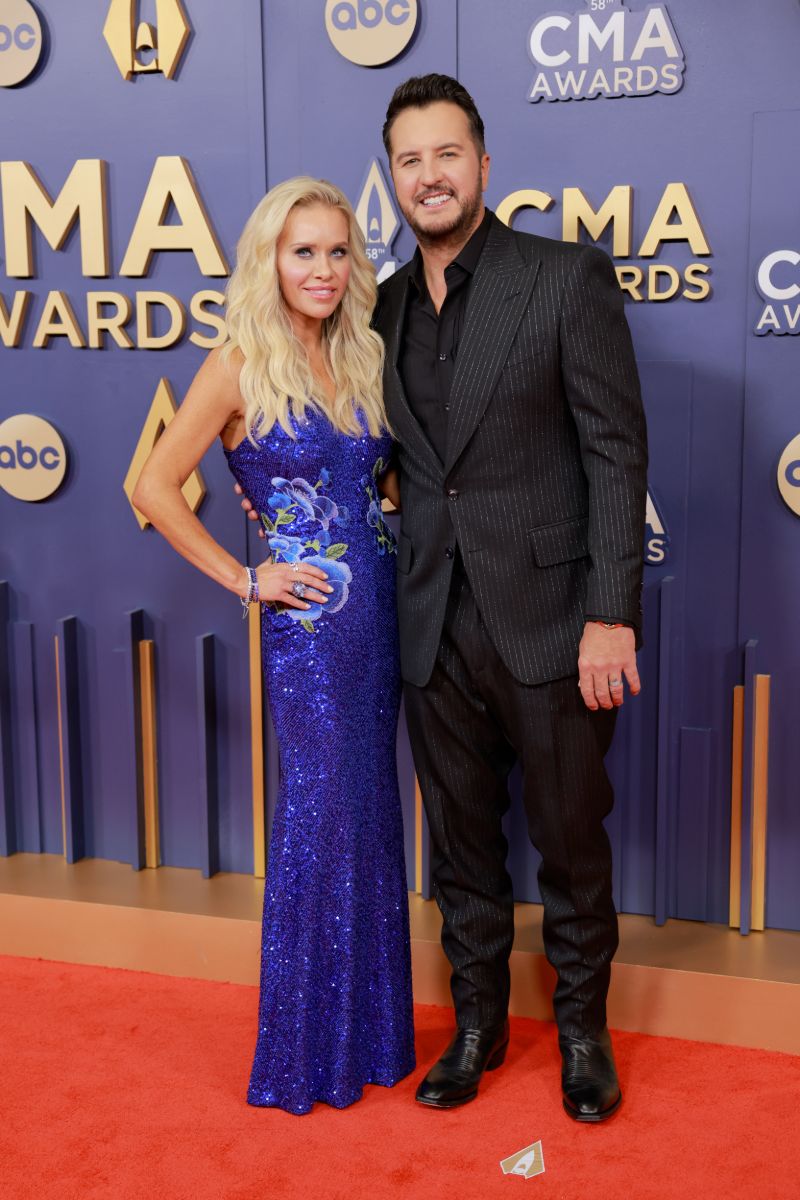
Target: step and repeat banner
pixel 137 137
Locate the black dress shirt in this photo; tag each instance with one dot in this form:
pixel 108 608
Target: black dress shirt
pixel 429 348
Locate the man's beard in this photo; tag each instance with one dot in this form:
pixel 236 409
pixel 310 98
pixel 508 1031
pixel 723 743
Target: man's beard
pixel 455 229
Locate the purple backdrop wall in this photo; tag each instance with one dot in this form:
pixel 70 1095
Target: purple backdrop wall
pixel 262 94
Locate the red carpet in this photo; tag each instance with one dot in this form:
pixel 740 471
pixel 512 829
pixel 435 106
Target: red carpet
pixel 117 1084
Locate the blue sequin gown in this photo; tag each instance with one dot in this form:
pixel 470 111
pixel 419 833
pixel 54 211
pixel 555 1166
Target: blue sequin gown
pixel 335 1008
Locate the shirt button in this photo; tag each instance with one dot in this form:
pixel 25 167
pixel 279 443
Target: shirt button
pixel 442 358
pixel 449 552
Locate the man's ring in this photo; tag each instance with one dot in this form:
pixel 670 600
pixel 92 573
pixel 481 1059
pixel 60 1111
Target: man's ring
pixel 298 589
pixel 614 682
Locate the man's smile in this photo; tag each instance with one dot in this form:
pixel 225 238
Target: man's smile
pixel 436 199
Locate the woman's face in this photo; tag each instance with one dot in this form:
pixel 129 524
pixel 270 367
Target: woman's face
pixel 313 261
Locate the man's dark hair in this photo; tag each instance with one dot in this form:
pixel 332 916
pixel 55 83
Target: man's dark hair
pixel 423 90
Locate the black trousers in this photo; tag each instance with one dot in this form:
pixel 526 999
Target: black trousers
pixel 468 726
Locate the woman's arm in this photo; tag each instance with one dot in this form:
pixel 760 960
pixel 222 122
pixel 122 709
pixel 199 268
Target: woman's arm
pixel 212 402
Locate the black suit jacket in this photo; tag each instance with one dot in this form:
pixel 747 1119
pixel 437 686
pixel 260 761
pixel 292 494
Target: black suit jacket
pixel 543 486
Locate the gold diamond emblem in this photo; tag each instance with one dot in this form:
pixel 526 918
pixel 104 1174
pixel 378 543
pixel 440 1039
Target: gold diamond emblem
pixel 162 410
pixel 144 48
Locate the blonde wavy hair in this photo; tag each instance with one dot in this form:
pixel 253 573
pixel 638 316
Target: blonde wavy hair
pixel 276 380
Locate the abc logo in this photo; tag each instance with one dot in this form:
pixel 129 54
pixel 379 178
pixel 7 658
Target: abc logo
pixel 371 32
pixel 789 475
pixel 20 41
pixel 33 459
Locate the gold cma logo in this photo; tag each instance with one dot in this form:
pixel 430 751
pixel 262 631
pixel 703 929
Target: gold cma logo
pixel 142 49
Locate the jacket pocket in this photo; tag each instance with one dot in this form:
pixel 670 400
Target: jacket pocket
pixel 562 542
pixel 405 553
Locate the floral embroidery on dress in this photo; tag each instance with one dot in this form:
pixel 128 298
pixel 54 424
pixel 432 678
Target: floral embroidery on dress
pixel 298 499
pixel 383 534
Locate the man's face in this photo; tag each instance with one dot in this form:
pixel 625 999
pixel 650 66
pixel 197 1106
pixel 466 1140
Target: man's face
pixel 439 176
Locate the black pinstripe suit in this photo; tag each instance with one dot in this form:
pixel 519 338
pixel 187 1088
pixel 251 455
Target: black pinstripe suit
pixel 534 519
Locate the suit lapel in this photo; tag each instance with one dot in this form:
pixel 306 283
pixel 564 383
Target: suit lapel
pixel 498 297
pixel 406 427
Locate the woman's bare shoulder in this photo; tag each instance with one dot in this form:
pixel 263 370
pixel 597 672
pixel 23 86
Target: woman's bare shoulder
pixel 222 367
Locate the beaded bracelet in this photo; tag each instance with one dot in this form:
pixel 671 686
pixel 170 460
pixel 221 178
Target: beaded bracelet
pixel 252 591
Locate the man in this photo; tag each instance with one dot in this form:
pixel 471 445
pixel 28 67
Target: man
pixel 511 387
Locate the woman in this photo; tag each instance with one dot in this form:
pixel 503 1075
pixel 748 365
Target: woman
pixel 295 396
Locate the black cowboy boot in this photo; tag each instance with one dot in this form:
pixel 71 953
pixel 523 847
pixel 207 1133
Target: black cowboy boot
pixel 589 1077
pixel 454 1079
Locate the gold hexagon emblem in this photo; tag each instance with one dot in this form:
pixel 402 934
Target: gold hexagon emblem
pixel 127 40
pixel 162 410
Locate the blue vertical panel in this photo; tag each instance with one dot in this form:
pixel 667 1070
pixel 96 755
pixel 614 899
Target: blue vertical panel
pixel 130 751
pixel 770 568
pixel 752 654
pixel 26 748
pixel 632 764
pixel 8 820
pixel 71 755
pixel 665 824
pixel 634 794
pixel 668 398
pixel 208 783
pixel 692 867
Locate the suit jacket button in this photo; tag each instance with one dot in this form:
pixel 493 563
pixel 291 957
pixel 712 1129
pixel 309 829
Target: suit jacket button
pixel 452 493
pixel 449 552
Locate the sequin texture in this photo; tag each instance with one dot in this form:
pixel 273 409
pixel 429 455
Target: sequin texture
pixel 335 1008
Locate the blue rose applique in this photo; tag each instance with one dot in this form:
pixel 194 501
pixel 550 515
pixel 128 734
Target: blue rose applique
pixel 318 550
pixel 297 499
pixel 285 548
pixel 300 494
pixel 339 578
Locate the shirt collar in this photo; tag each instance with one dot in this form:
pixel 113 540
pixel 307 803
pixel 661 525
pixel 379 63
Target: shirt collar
pixel 467 257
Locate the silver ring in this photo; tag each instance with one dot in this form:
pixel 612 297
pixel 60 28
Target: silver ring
pixel 298 589
pixel 614 682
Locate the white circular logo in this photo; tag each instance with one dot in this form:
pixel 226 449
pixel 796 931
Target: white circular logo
pixel 371 32
pixel 789 475
pixel 33 458
pixel 20 41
